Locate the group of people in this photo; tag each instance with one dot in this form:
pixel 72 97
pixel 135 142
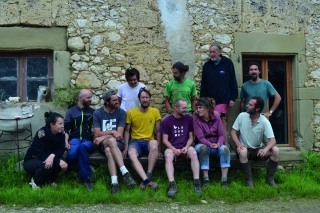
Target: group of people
pixel 126 125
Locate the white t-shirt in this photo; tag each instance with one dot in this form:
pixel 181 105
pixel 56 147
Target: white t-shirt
pixel 129 96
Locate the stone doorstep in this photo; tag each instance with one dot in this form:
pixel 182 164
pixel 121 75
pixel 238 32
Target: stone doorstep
pixel 96 158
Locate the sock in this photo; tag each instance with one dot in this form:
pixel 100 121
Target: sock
pixel 206 177
pixel 123 170
pixel 149 175
pixel 114 179
pixel 224 178
pixel 146 181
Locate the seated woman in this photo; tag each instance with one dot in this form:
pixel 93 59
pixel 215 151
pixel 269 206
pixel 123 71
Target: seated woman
pixel 209 132
pixel 43 160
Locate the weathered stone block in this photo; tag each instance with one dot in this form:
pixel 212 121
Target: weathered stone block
pixel 253 24
pixel 75 44
pixel 88 79
pixel 96 41
pixel 113 84
pixel 137 18
pixel 281 8
pixel 280 26
pixel 258 7
pixel 80 65
pixel 35 12
pixel 60 13
pixel 9 13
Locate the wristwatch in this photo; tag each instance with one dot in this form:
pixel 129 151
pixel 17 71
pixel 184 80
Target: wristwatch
pixel 270 112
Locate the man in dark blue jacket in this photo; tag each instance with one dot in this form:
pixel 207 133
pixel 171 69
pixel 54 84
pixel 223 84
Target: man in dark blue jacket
pixel 219 82
pixel 79 136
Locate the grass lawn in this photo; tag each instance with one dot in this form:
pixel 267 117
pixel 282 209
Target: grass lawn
pixel 301 182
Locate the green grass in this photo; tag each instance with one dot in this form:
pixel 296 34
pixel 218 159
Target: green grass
pixel 301 182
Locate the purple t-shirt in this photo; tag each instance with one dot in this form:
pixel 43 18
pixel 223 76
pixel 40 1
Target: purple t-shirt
pixel 177 130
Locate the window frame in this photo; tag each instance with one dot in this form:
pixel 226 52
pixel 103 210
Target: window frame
pixel 22 70
pixel 264 74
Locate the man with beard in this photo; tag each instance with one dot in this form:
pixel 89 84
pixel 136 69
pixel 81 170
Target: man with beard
pixel 180 87
pixel 219 82
pixel 109 122
pixel 258 87
pixel 256 141
pixel 78 125
pixel 177 136
pixel 141 122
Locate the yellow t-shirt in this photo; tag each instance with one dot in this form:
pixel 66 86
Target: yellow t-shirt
pixel 142 123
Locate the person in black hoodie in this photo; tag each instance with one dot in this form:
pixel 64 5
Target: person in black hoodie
pixel 43 160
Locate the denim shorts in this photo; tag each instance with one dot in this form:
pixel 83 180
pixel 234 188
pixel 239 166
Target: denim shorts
pixel 120 144
pixel 142 146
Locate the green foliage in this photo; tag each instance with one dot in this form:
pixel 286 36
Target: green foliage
pixel 301 182
pixel 66 96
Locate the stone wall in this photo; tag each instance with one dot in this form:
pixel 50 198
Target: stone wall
pixel 106 37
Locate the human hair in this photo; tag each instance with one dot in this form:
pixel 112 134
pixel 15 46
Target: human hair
pixel 259 103
pixel 132 72
pixel 177 102
pixel 143 89
pixel 51 118
pixel 254 63
pixel 217 46
pixel 207 103
pixel 107 96
pixel 181 67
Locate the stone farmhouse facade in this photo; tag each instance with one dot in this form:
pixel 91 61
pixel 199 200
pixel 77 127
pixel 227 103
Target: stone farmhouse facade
pixel 92 42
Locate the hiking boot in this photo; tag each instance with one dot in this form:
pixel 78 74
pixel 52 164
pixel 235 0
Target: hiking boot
pixel 224 184
pixel 33 185
pixel 197 188
pixel 115 188
pixel 153 185
pixel 87 183
pixel 92 174
pixel 205 183
pixel 172 189
pixel 246 169
pixel 142 186
pixel 127 179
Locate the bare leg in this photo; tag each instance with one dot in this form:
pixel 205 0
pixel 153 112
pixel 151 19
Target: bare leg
pixel 169 156
pixel 153 155
pixel 195 166
pixel 133 155
pixel 111 163
pixel 115 151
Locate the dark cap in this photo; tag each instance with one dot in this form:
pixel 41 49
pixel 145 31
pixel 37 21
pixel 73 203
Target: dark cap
pixel 107 95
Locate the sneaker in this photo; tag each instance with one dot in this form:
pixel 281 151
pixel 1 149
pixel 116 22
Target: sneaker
pixel 92 174
pixel 88 184
pixel 127 179
pixel 153 185
pixel 115 188
pixel 224 184
pixel 197 188
pixel 33 185
pixel 172 189
pixel 142 186
pixel 205 183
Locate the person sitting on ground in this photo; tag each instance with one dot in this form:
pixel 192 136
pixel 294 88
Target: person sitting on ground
pixel 141 122
pixel 256 140
pixel 43 160
pixel 79 136
pixel 109 122
pixel 128 92
pixel 177 136
pixel 209 131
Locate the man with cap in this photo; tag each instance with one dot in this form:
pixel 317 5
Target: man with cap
pixel 109 122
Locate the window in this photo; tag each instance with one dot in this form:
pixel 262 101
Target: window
pixel 21 73
pixel 278 71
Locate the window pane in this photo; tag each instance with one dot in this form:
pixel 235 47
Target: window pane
pixel 8 67
pixel 7 89
pixel 245 69
pixel 277 77
pixel 32 89
pixel 37 67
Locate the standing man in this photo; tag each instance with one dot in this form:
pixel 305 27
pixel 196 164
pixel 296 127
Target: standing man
pixel 77 126
pixel 219 82
pixel 258 87
pixel 177 136
pixel 141 122
pixel 109 122
pixel 256 141
pixel 128 92
pixel 180 87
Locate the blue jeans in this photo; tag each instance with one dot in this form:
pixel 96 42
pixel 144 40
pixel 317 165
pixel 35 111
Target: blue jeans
pixel 223 153
pixel 79 151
